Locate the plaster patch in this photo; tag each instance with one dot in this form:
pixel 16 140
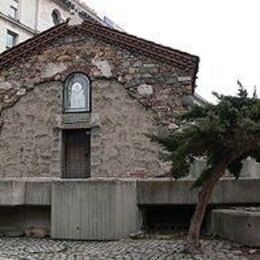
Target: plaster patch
pixel 104 67
pixel 52 69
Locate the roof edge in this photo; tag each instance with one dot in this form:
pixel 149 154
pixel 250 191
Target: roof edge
pixel 184 60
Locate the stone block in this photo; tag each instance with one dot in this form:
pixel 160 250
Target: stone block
pixel 145 90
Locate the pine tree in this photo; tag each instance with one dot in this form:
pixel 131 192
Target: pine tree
pixel 225 134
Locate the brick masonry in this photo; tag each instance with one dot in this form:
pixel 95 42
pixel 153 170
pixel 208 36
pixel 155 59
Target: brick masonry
pixel 133 95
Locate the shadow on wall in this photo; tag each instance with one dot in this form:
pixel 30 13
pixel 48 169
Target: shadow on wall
pixel 24 220
pixel 166 218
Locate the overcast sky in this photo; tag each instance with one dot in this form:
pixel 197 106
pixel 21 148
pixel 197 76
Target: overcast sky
pixel 225 34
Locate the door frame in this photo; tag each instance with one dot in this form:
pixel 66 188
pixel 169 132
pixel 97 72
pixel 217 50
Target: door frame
pixel 63 159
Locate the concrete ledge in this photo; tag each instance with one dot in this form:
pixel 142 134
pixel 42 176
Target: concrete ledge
pixel 238 225
pixel 12 192
pixel 25 191
pixel 167 191
pixel 37 191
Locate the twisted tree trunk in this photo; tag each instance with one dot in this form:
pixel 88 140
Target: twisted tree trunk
pixel 203 199
pixel 206 191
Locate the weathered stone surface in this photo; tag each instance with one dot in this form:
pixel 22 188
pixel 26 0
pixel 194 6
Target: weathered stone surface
pixel 124 123
pixel 5 85
pixel 21 92
pixel 132 96
pixel 27 133
pixel 52 69
pixel 104 60
pixel 27 136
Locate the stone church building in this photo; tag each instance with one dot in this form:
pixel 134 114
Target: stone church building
pixel 79 101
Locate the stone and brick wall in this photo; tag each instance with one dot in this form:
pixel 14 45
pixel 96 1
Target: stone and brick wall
pixel 133 95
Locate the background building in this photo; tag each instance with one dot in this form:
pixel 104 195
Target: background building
pixel 23 19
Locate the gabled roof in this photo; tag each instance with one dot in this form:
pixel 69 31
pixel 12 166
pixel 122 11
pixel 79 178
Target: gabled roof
pixel 179 59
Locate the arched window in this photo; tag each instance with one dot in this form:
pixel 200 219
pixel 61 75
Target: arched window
pixel 56 16
pixel 77 91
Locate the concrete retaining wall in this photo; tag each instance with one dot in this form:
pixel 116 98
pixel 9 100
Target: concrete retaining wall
pixel 237 225
pixel 107 209
pixel 94 209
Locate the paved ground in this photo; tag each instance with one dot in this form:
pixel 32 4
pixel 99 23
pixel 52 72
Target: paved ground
pixel 29 248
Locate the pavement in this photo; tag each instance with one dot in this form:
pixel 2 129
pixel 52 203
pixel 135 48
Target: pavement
pixel 141 249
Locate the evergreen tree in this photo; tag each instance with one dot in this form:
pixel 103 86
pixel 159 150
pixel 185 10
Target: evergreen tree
pixel 225 134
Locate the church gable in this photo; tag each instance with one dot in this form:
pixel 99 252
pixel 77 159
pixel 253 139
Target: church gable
pixel 157 80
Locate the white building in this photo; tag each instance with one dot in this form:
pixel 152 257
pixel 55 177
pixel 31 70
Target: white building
pixel 22 19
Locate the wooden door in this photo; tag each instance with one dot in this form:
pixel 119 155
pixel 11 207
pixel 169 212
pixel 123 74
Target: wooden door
pixel 76 153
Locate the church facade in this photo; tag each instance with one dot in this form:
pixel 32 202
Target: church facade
pixel 80 101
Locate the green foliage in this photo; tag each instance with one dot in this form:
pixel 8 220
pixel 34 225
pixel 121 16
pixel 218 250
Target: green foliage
pixel 226 133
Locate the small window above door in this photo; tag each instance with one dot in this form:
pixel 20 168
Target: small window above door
pixel 77 93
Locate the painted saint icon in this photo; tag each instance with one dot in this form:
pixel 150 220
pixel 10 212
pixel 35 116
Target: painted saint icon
pixel 77 97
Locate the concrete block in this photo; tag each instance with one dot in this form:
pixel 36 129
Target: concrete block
pixel 171 192
pixel 241 191
pixel 165 191
pixel 94 209
pixel 11 192
pixel 52 69
pixel 238 225
pixel 38 192
pixel 25 191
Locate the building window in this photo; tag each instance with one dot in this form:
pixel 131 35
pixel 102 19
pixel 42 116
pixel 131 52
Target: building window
pixel 56 17
pixel 77 93
pixel 14 9
pixel 11 39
